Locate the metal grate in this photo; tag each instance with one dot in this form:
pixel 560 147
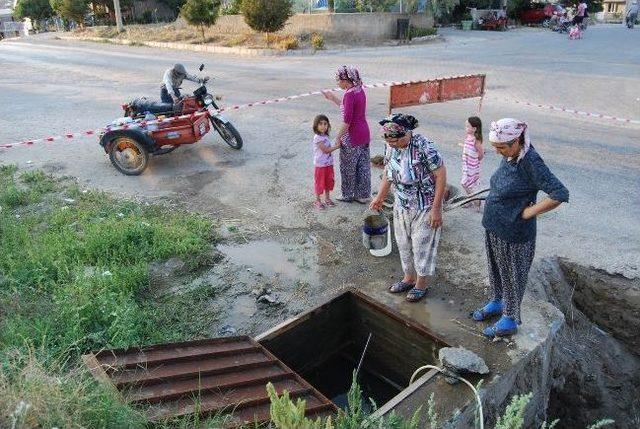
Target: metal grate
pixel 208 376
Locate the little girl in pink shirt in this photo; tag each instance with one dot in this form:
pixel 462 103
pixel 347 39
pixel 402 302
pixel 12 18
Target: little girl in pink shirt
pixel 323 162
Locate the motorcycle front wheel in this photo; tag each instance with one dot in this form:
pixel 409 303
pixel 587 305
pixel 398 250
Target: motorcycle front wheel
pixel 228 133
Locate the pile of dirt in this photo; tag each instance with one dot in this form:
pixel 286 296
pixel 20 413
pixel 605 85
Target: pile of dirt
pixel 596 362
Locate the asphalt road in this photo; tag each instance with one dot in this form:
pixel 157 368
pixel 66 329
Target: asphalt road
pixel 50 86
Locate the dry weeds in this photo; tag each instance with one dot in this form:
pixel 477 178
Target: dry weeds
pixel 138 34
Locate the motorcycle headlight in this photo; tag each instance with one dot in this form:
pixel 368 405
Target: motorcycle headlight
pixel 208 99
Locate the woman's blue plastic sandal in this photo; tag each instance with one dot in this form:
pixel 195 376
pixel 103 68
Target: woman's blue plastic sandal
pixel 416 294
pixel 493 308
pixel 503 328
pixel 400 286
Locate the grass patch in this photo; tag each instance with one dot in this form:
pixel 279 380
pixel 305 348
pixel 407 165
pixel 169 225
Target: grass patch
pixel 74 277
pixel 421 32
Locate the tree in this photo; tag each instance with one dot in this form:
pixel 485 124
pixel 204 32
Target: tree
pixel 266 16
pixel 74 10
pixel 35 10
pixel 201 12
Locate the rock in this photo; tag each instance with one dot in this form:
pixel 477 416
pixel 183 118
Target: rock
pixel 267 299
pixel 174 264
pixel 462 361
pixel 227 330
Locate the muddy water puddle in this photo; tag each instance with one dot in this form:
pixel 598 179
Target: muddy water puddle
pixel 271 258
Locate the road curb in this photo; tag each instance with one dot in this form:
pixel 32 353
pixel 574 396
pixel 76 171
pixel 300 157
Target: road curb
pixel 248 52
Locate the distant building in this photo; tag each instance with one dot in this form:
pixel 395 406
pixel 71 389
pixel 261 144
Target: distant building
pixel 6 15
pixel 614 10
pixel 614 6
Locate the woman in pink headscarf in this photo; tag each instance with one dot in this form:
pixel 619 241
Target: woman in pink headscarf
pixel 353 137
pixel 510 221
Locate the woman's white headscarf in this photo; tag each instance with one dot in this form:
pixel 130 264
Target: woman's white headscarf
pixel 508 129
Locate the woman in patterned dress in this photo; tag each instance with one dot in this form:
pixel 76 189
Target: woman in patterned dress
pixel 416 171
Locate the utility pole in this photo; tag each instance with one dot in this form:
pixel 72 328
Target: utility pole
pixel 116 7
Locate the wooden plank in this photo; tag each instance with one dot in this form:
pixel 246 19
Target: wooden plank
pixel 95 368
pixel 404 394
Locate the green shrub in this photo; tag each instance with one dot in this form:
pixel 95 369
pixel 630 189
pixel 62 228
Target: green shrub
pixel 317 41
pixel 202 13
pixel 266 16
pixel 421 32
pixel 287 43
pixel 147 17
pixel 73 10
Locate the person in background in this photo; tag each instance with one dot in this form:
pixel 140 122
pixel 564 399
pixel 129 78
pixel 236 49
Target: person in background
pixel 632 14
pixel 581 11
pixel 510 221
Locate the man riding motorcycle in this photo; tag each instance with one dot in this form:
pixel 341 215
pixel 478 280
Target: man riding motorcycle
pixel 172 80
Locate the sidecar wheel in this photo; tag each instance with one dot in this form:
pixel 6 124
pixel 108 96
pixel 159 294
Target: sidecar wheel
pixel 128 156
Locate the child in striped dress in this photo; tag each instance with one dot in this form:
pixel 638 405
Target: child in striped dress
pixel 472 154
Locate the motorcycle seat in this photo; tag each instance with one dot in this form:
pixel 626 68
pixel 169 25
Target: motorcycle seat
pixel 142 104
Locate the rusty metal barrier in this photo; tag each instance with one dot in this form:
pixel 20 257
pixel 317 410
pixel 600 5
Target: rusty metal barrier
pixel 436 91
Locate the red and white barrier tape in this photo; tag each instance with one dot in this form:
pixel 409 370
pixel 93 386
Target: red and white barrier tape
pixel 291 97
pixel 576 112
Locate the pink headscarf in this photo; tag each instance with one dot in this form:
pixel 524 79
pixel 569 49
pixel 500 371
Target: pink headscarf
pixel 349 73
pixel 508 129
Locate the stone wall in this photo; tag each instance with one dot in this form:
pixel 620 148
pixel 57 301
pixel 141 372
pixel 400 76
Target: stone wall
pixel 158 10
pixel 361 26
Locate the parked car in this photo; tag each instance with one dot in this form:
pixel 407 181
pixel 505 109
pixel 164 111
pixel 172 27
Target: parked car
pixel 541 13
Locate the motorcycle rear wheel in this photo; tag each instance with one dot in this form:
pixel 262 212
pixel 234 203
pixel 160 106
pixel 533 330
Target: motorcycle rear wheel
pixel 128 156
pixel 228 133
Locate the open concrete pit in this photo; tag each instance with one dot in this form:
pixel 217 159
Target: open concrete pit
pixel 577 351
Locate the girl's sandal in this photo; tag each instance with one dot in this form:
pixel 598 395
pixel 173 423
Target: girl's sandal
pixel 416 294
pixel 329 203
pixel 318 205
pixel 400 287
